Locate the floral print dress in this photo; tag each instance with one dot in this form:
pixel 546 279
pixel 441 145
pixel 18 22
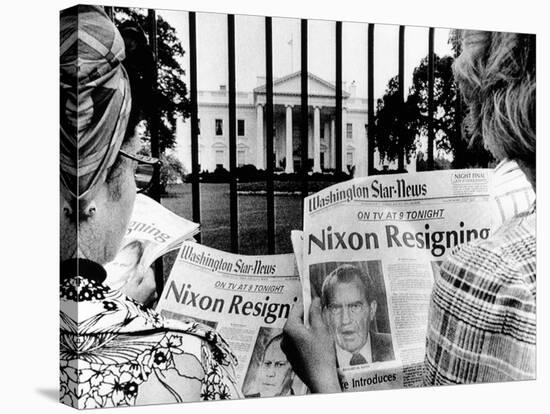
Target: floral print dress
pixel 115 352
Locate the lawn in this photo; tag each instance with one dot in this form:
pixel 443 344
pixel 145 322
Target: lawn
pixel 252 217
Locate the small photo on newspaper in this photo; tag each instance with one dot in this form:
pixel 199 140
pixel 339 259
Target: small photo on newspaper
pixel 269 373
pixel 152 232
pixel 128 259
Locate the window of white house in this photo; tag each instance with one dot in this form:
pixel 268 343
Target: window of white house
pixel 219 127
pixel 198 126
pixel 349 159
pixel 366 131
pixel 240 127
pixel 349 131
pixel 219 158
pixel 241 158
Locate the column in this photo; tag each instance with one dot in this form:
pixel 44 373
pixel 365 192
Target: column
pixel 260 137
pixel 316 139
pixel 332 144
pixel 344 138
pixel 289 158
pixel 363 155
pixel 326 127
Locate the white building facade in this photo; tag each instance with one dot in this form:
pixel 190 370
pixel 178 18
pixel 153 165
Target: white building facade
pixel 251 127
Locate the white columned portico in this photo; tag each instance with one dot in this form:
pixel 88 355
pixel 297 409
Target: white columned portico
pixel 344 137
pixel 260 137
pixel 332 144
pixel 316 139
pixel 289 158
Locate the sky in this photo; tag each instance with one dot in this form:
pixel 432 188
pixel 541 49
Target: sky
pixel 250 50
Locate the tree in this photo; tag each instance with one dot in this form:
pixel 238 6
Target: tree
pixel 440 163
pixel 394 123
pixel 172 170
pixel 449 135
pixel 455 40
pixel 170 98
pixel 409 121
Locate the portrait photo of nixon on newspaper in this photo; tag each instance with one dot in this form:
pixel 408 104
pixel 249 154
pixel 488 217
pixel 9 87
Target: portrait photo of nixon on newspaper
pixel 354 307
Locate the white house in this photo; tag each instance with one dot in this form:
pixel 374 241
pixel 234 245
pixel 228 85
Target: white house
pixel 251 135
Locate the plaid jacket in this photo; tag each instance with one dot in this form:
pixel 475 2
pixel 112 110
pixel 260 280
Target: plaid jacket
pixel 482 321
pixel 512 192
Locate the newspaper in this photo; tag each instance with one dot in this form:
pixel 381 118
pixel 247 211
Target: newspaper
pixel 370 249
pixel 297 240
pixel 247 299
pixel 152 232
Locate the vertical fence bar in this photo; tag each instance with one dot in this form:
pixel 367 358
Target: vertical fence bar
pixel 458 114
pixel 401 157
pixel 304 111
pixel 269 135
pixel 153 112
pixel 370 99
pixel 338 119
pixel 195 183
pixel 110 12
pixel 431 85
pixel 458 107
pixel 154 123
pixel 233 207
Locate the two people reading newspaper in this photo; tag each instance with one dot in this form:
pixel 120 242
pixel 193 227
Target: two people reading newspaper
pixel 134 355
pixel 481 322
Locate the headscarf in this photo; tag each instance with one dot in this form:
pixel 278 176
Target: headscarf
pixel 95 98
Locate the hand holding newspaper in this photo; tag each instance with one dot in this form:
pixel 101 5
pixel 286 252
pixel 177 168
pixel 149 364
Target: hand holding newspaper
pixel 152 232
pixel 369 250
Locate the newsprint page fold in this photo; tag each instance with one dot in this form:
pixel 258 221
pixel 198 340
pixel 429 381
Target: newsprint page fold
pixel 152 232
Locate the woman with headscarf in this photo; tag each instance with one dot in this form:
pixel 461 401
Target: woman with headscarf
pixel 114 351
pixel 482 315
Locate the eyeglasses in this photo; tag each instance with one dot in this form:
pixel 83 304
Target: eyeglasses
pixel 147 168
pixel 353 308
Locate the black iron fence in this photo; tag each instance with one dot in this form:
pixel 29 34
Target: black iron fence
pixel 154 116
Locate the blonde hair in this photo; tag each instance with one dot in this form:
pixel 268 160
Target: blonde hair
pixel 496 74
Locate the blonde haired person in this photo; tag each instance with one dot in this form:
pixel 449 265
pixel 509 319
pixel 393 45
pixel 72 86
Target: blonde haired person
pixel 482 319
